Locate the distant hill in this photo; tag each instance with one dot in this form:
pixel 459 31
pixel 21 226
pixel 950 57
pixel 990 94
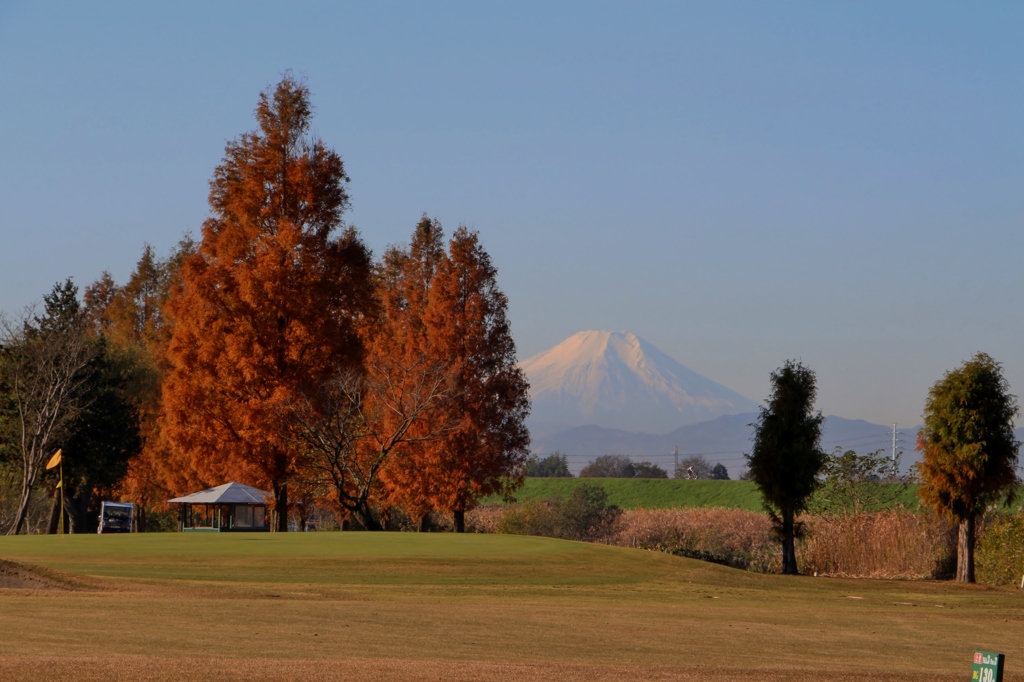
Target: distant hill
pixel 620 381
pixel 725 439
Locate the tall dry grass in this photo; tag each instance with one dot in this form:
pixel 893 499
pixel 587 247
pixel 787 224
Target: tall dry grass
pixel 735 537
pixel 894 543
pixel 885 544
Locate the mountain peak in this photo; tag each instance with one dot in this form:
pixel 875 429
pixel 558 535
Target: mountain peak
pixel 618 380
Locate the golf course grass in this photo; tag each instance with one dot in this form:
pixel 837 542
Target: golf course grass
pixel 442 606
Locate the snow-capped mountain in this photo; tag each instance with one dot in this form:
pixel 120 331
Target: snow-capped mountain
pixel 617 380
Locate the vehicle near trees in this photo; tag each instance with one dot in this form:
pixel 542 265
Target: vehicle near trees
pixel 116 517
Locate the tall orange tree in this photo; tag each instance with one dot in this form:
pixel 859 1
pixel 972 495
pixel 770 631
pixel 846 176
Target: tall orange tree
pixel 403 281
pixel 968 449
pixel 485 445
pixel 268 305
pixel 359 427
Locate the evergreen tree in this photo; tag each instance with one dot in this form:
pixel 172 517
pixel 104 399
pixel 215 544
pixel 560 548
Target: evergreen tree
pixel 968 450
pixel 719 473
pixel 787 455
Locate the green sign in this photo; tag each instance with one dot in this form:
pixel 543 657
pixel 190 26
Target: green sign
pixel 988 667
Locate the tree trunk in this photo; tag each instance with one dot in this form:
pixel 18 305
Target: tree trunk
pixel 140 519
pixel 23 502
pixel 459 516
pixel 965 551
pixel 302 512
pixel 78 511
pixel 788 543
pixel 365 517
pixel 54 524
pixel 424 525
pixel 281 506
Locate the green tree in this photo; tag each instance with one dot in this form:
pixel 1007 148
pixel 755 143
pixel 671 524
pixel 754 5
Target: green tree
pixel 555 465
pixel 102 440
pixel 968 450
pixel 700 466
pixel 787 456
pixel 609 466
pixel 719 473
pixel 853 483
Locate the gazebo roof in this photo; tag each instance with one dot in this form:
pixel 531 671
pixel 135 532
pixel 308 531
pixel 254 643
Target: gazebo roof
pixel 229 493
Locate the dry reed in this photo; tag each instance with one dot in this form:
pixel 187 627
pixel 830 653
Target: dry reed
pixel 885 544
pixel 732 536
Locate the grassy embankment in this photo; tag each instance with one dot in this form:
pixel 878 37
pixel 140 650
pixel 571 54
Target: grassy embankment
pixel 439 606
pixel 653 493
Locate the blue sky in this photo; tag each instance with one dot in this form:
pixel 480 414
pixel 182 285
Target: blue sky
pixel 738 183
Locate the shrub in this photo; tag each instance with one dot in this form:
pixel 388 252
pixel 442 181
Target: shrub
pixel 585 515
pixel 852 483
pixel 1000 555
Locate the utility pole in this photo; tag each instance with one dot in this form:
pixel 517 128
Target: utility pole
pixel 894 459
pixel 677 460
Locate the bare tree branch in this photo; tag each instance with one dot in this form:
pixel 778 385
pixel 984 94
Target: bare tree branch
pixel 44 373
pixel 355 422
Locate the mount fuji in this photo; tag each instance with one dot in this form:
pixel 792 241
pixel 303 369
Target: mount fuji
pixel 617 380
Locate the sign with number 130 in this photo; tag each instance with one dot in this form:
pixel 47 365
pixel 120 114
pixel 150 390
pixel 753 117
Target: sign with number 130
pixel 988 667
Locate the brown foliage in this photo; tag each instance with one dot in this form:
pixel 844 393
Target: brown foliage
pixel 444 309
pixel 269 303
pixel 485 446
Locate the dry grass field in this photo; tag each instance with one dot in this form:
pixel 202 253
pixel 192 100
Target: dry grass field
pixel 374 606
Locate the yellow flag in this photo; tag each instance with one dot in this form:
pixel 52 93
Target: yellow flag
pixel 60 484
pixel 54 461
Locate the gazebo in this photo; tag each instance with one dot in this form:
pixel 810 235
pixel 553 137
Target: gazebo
pixel 228 508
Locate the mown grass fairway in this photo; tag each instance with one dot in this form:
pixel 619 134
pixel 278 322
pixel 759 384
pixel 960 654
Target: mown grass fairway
pixel 434 606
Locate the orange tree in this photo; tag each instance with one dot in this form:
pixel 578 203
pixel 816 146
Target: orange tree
pixel 359 430
pixel 484 446
pixel 968 450
pixel 268 305
pixel 404 280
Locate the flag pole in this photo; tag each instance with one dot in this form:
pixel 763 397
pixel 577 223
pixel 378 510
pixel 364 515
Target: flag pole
pixel 61 486
pixel 54 461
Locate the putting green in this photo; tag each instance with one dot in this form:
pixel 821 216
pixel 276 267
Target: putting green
pixel 340 558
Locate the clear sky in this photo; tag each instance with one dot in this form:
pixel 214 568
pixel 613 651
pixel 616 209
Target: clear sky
pixel 738 183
